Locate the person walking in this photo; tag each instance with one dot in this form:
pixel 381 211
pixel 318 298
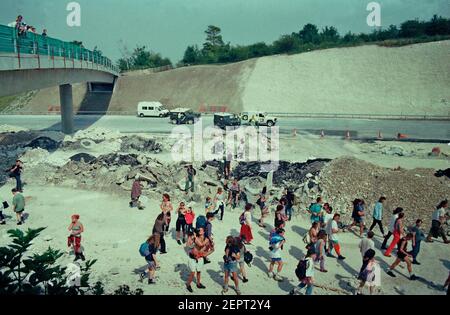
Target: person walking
pixel 149 252
pixel 74 239
pixel 418 237
pixel 320 248
pixel 16 172
pixel 438 219
pixel 230 265
pixel 358 216
pixel 209 205
pixel 219 201
pixel 367 243
pixel 315 209
pixel 246 224
pixel 276 246
pixel 394 218
pixel 136 192
pixel 191 172
pixel 332 231
pixel 180 225
pixel 261 202
pixel 195 244
pixel 305 273
pixel 242 251
pixel 403 256
pixel 369 274
pixel 209 237
pixel 166 207
pixel 280 218
pixel 235 190
pixel 378 215
pixel 398 233
pixel 18 205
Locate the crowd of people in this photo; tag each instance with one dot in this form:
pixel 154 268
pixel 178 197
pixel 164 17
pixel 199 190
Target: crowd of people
pixel 22 28
pixel 194 232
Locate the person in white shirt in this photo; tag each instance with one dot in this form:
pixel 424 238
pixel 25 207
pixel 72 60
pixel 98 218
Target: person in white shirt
pixel 438 219
pixel 394 218
pixel 332 231
pixel 308 279
pixel 219 201
pixel 367 243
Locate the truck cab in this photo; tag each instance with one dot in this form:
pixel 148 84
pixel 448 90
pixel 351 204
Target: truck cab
pixel 180 116
pixel 151 109
pixel 259 119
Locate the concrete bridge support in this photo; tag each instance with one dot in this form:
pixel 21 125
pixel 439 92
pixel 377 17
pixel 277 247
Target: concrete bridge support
pixel 65 94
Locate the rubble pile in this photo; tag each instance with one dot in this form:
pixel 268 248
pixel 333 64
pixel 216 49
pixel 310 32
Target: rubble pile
pixel 140 144
pixel 418 191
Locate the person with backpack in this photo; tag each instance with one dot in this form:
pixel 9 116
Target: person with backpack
pixel 148 251
pixel 230 266
pixel 315 209
pixel 276 243
pixel 320 248
pixel 403 256
pixel 245 258
pixel 191 172
pixel 394 218
pixel 332 231
pixel 398 232
pixel 261 202
pixel 369 274
pixel 245 220
pixel 378 215
pixel 305 273
pixel 180 225
pixel 358 216
pixel 418 237
pixel 437 221
pixel 196 243
pixel 219 201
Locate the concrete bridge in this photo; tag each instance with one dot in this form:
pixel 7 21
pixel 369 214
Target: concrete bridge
pixel 31 61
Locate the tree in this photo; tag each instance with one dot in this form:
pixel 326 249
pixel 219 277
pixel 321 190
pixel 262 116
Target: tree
pixel 412 28
pixel 286 44
pixel 213 38
pixel 437 26
pixel 330 34
pixel 258 50
pixel 192 55
pixel 310 34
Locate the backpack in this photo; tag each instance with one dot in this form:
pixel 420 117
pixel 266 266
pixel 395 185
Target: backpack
pixel 300 271
pixel 248 258
pixel 242 218
pixel 144 249
pixel 200 222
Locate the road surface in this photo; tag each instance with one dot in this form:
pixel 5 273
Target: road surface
pixel 358 128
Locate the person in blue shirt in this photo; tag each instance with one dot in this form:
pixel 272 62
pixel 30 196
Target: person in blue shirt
pixel 378 215
pixel 419 236
pixel 316 210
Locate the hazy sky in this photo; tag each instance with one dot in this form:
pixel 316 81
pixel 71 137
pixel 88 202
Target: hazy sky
pixel 169 26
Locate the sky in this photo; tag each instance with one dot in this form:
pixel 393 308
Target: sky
pixel 169 26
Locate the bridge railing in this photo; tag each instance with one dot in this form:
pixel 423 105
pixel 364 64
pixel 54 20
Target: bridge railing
pixel 31 45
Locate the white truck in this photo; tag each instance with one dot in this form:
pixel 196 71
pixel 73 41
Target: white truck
pixel 151 109
pixel 258 119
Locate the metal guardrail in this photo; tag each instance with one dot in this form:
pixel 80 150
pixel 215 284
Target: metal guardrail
pixel 31 45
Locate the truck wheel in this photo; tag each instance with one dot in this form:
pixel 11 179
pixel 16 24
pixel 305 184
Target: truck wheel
pixel 141 115
pixel 190 122
pixel 245 117
pixel 161 115
pixel 270 123
pixel 173 121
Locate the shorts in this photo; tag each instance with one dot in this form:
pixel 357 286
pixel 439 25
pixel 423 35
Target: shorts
pixel 21 211
pixel 151 265
pixel 195 265
pixel 359 220
pixel 231 267
pixel 180 225
pixel 276 259
pixel 401 256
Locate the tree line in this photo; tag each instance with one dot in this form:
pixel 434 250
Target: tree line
pixel 214 50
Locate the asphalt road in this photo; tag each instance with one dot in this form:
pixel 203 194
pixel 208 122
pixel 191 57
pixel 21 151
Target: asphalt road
pixel 358 128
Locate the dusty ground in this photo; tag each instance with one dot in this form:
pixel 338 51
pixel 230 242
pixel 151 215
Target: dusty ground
pixel 114 231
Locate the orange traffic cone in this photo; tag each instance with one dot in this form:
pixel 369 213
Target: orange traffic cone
pixel 401 136
pixel 380 135
pixel 347 135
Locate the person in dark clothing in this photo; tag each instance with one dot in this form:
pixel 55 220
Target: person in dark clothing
pixel 15 172
pixel 418 237
pixel 158 232
pixel 289 197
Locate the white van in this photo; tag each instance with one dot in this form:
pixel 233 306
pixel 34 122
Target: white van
pixel 151 109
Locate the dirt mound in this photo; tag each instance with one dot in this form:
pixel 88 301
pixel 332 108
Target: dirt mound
pixel 418 191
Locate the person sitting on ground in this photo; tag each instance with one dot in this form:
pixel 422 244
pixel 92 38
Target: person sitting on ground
pixel 418 237
pixel 136 192
pixel 180 225
pixel 74 239
pixel 378 215
pixel 367 243
pixel 150 258
pixel 305 273
pixel 18 205
pixel 230 266
pixel 438 218
pixel 403 256
pixel 315 209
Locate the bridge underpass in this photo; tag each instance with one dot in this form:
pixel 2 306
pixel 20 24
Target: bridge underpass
pixel 31 62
